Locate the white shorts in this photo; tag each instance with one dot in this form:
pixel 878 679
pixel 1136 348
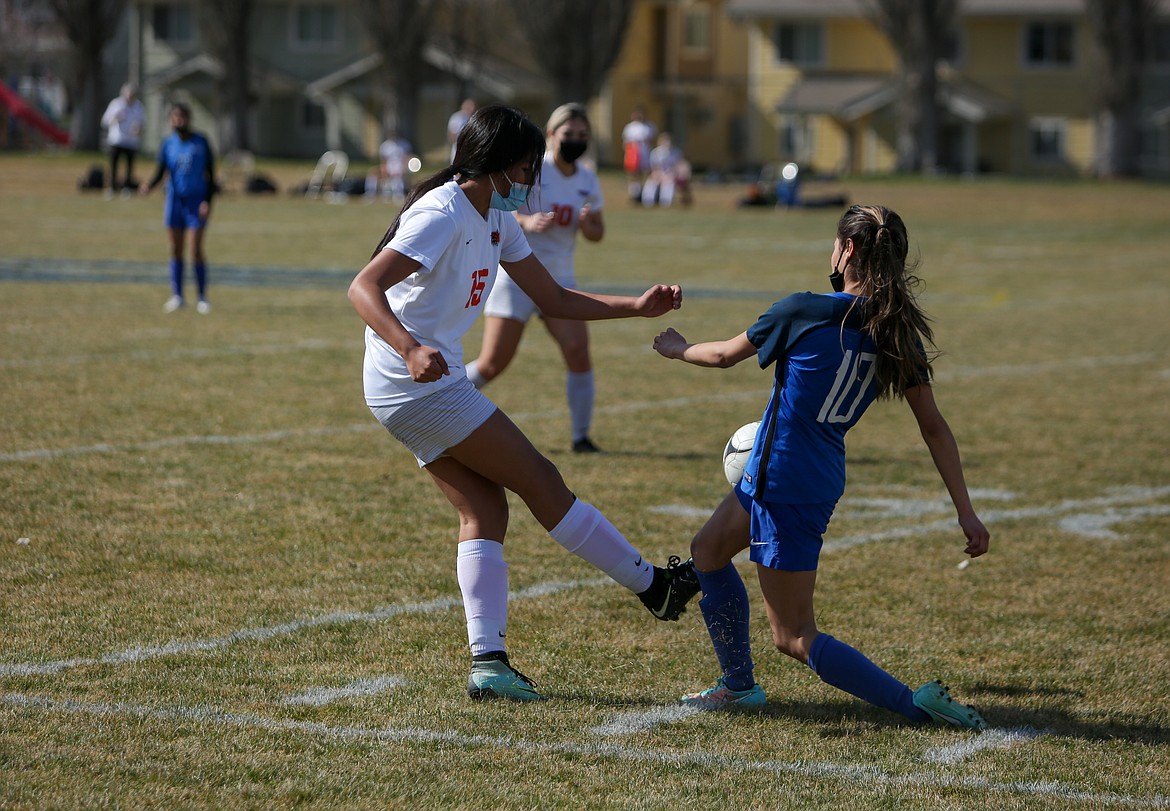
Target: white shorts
pixel 507 300
pixel 432 424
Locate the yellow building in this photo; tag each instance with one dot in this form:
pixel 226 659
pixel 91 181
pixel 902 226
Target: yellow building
pixel 685 62
pixel 1017 86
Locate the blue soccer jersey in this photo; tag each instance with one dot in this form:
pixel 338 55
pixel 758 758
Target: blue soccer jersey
pixel 188 164
pixel 825 366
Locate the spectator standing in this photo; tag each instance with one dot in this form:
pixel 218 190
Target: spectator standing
pixel 457 122
pixel 637 137
pixel 123 119
pixel 394 153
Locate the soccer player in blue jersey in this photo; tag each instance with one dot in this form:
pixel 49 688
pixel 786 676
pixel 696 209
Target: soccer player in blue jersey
pixel 834 354
pixel 187 157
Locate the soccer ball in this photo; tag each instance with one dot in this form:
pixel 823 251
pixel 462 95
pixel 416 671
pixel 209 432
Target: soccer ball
pixel 738 449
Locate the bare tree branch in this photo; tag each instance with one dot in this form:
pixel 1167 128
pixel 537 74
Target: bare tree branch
pixel 575 42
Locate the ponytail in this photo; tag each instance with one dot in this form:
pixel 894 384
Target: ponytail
pixel 892 315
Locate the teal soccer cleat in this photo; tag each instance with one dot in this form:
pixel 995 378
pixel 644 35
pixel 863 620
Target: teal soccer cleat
pixel 720 697
pixel 935 700
pixel 496 678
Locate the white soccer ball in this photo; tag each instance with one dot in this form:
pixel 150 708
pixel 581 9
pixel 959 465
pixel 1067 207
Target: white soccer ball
pixel 738 449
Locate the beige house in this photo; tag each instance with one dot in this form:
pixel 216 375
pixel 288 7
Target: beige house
pixel 1016 87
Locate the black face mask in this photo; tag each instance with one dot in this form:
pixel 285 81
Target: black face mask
pixel 571 150
pixel 837 279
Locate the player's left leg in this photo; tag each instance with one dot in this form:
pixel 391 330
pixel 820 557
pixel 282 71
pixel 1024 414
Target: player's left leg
pixel 788 598
pixel 501 339
pixel 573 339
pixel 199 260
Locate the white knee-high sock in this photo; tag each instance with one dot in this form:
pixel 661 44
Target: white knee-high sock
pixel 483 580
pixel 477 380
pixel 579 392
pixel 589 535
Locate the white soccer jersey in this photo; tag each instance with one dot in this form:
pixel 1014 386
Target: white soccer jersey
pixel 563 196
pixel 460 253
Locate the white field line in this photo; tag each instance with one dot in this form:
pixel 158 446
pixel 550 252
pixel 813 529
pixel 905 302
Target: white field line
pixel 140 654
pixel 759 394
pixel 989 739
pixel 627 723
pixel 136 654
pixel 841 772
pixel 320 696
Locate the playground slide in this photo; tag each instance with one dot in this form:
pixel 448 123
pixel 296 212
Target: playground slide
pixel 21 109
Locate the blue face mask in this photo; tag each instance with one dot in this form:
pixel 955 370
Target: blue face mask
pixel 517 196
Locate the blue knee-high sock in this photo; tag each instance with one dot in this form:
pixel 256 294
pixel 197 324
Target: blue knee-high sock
pixel 177 277
pixel 726 613
pixel 848 669
pixel 201 279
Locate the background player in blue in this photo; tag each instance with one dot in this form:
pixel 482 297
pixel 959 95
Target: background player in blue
pixel 834 354
pixel 186 157
pixel 568 201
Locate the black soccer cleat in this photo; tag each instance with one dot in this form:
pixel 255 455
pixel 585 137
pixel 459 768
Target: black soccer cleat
pixel 585 445
pixel 671 589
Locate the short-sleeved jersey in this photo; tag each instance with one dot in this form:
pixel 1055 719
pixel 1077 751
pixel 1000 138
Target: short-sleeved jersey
pixel 563 196
pixel 188 164
pixel 825 366
pixel 393 153
pixel 459 252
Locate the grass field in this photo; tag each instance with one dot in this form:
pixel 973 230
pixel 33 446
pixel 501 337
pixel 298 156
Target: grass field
pixel 222 585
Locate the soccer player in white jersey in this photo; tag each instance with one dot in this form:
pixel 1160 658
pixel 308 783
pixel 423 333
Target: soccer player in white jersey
pixel 423 288
pixel 567 202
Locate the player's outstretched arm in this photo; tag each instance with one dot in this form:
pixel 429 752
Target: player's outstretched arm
pixel 578 305
pixel 944 450
pixel 718 354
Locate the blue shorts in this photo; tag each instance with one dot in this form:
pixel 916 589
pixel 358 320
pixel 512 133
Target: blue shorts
pixel 786 536
pixel 182 212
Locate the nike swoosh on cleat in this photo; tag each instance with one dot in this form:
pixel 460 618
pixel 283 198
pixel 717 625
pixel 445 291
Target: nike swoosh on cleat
pixel 638 562
pixel 660 612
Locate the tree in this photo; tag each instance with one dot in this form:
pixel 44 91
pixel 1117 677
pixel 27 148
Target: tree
pixel 89 25
pixel 1121 29
pixel 399 31
pixel 917 30
pixel 226 26
pixel 575 42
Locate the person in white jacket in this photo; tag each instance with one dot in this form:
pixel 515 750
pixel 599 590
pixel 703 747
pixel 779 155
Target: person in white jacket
pixel 123 120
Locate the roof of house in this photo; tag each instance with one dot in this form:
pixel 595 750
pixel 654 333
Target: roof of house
pixel 851 97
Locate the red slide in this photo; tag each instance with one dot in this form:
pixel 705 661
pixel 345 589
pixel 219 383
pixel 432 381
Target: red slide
pixel 21 109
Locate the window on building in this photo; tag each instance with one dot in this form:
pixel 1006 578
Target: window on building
pixel 1047 139
pixel 799 43
pixel 312 116
pixel 697 28
pixel 172 22
pixel 1048 45
pixel 315 26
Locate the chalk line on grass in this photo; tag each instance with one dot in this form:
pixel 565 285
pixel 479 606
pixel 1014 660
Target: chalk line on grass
pixel 174 648
pixel 988 739
pixel 823 770
pixel 358 688
pixel 627 723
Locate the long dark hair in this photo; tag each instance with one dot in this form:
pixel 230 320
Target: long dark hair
pixel 893 317
pixel 494 138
